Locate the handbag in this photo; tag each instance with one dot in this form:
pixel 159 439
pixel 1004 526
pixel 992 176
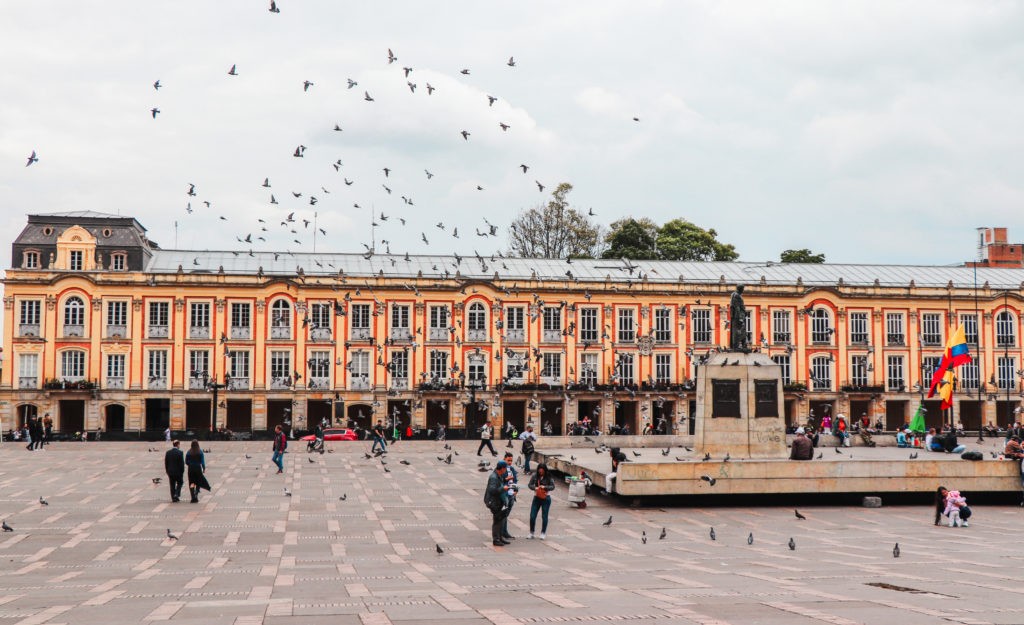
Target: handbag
pixel 541 493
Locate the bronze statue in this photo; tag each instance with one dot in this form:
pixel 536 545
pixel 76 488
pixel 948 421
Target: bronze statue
pixel 738 321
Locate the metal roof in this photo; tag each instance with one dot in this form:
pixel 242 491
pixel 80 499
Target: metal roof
pixel 484 268
pixel 81 215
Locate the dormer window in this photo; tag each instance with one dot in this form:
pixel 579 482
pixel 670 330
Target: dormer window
pixel 31 260
pixel 118 262
pixel 76 260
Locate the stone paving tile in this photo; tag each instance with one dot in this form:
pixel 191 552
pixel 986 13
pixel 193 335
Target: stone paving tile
pixel 248 554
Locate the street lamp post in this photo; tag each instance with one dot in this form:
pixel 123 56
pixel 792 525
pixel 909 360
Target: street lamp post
pixel 211 385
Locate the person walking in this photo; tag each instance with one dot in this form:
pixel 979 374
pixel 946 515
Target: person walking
pixel 47 429
pixel 30 432
pixel 486 432
pixel 542 485
pixel 528 438
pixel 37 435
pixel 280 444
pixel 496 489
pixel 174 466
pixel 196 463
pixel 802 448
pixel 378 438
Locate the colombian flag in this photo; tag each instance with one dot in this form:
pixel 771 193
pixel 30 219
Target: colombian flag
pixel 956 354
pixel 946 390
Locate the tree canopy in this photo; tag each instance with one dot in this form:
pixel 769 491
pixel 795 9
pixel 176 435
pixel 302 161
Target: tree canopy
pixel 554 230
pixel 678 239
pixel 801 256
pixel 632 238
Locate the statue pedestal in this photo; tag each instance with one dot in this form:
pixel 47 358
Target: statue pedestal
pixel 740 408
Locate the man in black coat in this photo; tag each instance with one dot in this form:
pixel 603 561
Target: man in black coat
pixel 174 465
pixel 496 487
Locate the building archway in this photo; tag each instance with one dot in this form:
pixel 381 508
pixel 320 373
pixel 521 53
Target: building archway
pixel 360 416
pixel 113 418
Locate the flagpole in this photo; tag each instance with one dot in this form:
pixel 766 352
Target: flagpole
pixel 977 336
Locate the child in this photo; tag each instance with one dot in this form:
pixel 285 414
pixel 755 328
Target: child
pixel 955 505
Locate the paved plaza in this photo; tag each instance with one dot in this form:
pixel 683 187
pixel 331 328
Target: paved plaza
pixel 249 554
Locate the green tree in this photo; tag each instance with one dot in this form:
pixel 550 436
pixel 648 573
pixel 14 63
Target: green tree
pixel 681 240
pixel 801 256
pixel 554 230
pixel 635 239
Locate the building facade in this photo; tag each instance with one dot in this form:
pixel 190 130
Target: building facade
pixel 104 329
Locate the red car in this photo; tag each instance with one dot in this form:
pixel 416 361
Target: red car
pixel 335 434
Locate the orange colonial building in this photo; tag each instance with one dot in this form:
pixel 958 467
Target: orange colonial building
pixel 104 329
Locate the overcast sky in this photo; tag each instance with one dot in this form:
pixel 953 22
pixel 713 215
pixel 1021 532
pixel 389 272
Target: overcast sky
pixel 875 132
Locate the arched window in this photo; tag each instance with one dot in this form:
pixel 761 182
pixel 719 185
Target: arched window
pixel 74 317
pixel 477 322
pixel 821 326
pixel 821 373
pixel 1006 334
pixel 280 319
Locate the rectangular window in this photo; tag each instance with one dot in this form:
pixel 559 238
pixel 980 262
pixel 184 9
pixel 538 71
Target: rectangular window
pixel 515 367
pixel 238 367
pixel 663 368
pixel 477 370
pixel 72 365
pixel 894 370
pixel 321 314
pixel 360 319
pixel 115 366
pixel 31 260
pixel 30 312
pixel 117 262
pixel 1006 367
pixel 928 366
pixel 588 325
pixel 359 369
pixel 821 373
pixel 663 325
pixel 624 369
pixel 241 320
pixel 199 320
pixel 28 370
pixel 969 376
pixel 588 369
pixel 552 324
pixel 701 325
pixel 280 369
pixel 198 363
pixel 117 314
pixel 319 372
pixel 821 327
pixel 859 328
pixel 970 324
pixel 551 371
pixel 157 368
pixel 783 362
pixel 931 329
pixel 439 324
pixel 76 257
pixel 159 315
pixel 894 329
pixel 1006 336
pixel 627 325
pixel 400 322
pixel 439 366
pixel 399 369
pixel 782 327
pixel 858 370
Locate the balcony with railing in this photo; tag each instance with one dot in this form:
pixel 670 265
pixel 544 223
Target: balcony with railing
pixel 320 334
pixel 30 381
pixel 551 336
pixel 115 383
pixel 158 332
pixel 515 335
pixel 319 383
pixel 399 384
pixel 477 383
pixel 199 332
pixel 782 338
pixel 74 331
pixel 117 331
pixel 550 380
pixel 69 383
pixel 400 334
pixel 197 384
pixel 438 334
pixel 281 332
pixel 361 334
pixel 359 383
pixel 238 384
pixel 476 335
pixel 157 383
pixel 281 383
pixel 240 333
pixel 28 329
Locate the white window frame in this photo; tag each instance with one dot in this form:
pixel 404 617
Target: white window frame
pixel 156 368
pixel 895 373
pixel 516 367
pixel 589 322
pixel 662 325
pixel 931 329
pixel 590 368
pixel 895 329
pixel 74 311
pixel 280 366
pixel 970 376
pixel 28 370
pixel 318 369
pixel 359 369
pixel 360 321
pixel 860 328
pixel 821 324
pixel 821 368
pixel 31 259
pixel 662 368
pixel 551 368
pixel 115 367
pixel 785 365
pixel 701 326
pixel 281 319
pixel 782 327
pixel 118 262
pixel 626 325
pixel 439 368
pixel 1006 372
pixel 970 323
pixel 72 365
pixel 76 260
pixel 625 367
pixel 1006 329
pixel 859 370
pixel 241 321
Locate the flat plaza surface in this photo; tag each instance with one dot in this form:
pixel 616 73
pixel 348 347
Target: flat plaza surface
pixel 249 554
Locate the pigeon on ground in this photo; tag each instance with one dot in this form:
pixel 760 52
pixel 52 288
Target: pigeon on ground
pixel 712 534
pixel 156 480
pixel 837 450
pixel 726 459
pixel 819 455
pixel 896 551
pixel 248 457
pixel 664 533
pixel 750 538
pixel 43 501
pixel 666 451
pixel 343 497
pixel 799 516
pixel 636 453
pixel 913 456
pixel 643 537
pixel 287 493
pixel 608 522
pixel 171 535
pixel 707 456
pixel 792 545
pixel 438 549
pixel 311 461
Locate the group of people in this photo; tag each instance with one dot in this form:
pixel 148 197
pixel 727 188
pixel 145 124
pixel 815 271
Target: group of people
pixel 175 465
pixel 501 493
pixel 37 432
pixel 951 506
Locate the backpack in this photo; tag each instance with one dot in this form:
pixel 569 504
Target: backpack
pixel 972 455
pixel 527 447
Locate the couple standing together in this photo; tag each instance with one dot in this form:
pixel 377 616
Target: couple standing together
pixel 175 463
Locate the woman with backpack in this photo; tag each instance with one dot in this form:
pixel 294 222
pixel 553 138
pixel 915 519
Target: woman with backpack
pixel 528 438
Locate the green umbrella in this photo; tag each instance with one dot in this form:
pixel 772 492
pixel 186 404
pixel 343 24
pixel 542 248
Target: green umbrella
pixel 917 423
